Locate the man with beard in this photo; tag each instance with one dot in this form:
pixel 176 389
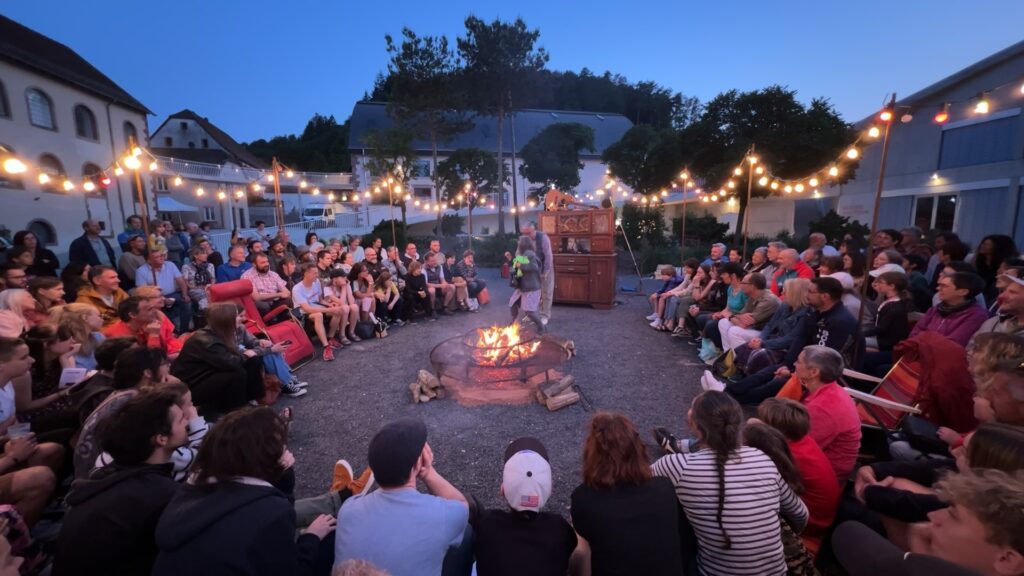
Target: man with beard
pixel 268 288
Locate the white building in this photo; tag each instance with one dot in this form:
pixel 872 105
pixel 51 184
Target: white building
pixel 62 115
pixel 525 124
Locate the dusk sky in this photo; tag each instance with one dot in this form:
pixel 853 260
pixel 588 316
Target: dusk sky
pixel 259 69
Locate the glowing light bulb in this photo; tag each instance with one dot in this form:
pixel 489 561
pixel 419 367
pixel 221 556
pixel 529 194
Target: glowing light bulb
pixel 88 186
pixel 852 153
pixel 664 193
pixel 816 193
pixel 416 203
pixel 886 115
pixel 799 187
pixel 398 188
pixel 221 195
pixel 759 170
pixel 136 151
pixel 774 186
pixel 256 187
pixel 788 188
pixel 132 163
pixel 833 171
pixel 289 174
pixel 330 197
pixel 753 159
pixel 177 181
pixel 44 178
pixel 118 171
pixel 737 171
pixel 302 184
pixel 239 194
pixel 316 191
pixel 14 166
pixel 813 182
pixel 763 181
pixel 344 197
pixel 153 166
pixel 270 177
pixel 68 186
pixel 705 199
pixel 366 194
pixel 874 132
pixel 684 176
pixel 942 116
pixel 407 196
pixel 983 105
pixel 200 191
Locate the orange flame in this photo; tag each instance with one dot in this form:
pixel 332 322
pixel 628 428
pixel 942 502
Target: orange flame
pixel 501 345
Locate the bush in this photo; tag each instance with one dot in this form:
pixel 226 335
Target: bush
pixel 706 228
pixel 451 224
pixel 489 250
pixel 383 231
pixel 643 225
pixel 835 227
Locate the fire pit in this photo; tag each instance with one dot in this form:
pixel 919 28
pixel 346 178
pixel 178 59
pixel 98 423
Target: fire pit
pixel 500 364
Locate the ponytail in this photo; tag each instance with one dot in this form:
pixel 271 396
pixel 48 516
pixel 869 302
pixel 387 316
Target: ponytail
pixel 719 419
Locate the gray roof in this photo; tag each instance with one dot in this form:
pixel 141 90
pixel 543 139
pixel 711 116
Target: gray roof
pixel 232 149
pixel 608 128
pixel 28 48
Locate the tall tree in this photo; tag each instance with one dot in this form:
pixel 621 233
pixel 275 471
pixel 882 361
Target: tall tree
pixel 645 158
pixel 553 155
pixel 322 147
pixel 424 94
pixel 390 156
pixel 473 165
pixel 500 58
pixel 792 139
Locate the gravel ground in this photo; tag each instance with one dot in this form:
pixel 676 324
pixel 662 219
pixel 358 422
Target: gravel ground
pixel 622 365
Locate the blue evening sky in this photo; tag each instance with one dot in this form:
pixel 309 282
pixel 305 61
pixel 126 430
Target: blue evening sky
pixel 261 68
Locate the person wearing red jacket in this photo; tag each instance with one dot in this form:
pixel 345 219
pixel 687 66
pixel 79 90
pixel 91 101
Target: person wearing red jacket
pixel 790 266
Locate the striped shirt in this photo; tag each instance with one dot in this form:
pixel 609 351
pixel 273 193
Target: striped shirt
pixel 755 495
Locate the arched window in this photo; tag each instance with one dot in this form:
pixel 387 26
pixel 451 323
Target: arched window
pixel 52 167
pixel 85 123
pixel 130 134
pixel 40 109
pixel 93 173
pixel 43 231
pixel 5 104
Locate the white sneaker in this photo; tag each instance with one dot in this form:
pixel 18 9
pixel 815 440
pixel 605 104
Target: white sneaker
pixel 656 324
pixel 652 316
pixel 709 382
pixel 299 384
pixel 544 321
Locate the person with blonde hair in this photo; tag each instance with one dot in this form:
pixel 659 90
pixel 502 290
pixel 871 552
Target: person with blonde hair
pixel 84 322
pixel 13 304
pixel 357 568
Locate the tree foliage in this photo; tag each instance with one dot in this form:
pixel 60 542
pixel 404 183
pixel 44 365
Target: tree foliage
pixel 835 227
pixel 644 224
pixel 390 154
pixel 322 147
pixel 553 155
pixel 705 228
pixel 467 165
pixel 645 158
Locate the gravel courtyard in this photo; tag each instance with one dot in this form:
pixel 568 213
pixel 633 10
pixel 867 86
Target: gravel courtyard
pixel 621 365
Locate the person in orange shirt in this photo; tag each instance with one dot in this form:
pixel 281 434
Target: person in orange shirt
pixel 140 318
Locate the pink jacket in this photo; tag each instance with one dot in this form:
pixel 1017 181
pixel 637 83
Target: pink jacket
pixel 958 327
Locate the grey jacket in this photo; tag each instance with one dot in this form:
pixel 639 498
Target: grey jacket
pixel 530 280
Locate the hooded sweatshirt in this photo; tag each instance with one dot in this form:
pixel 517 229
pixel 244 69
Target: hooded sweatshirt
pixel 242 527
pixel 110 527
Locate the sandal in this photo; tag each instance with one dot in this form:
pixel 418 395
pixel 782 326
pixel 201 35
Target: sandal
pixel 345 342
pixel 354 338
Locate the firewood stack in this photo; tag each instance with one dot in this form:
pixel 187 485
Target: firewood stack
pixel 425 388
pixel 557 394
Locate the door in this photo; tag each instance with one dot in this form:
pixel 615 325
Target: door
pixel 602 281
pixel 574 288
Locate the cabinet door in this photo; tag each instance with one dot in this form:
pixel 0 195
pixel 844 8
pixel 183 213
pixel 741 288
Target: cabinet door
pixel 573 288
pixel 602 281
pixel 548 223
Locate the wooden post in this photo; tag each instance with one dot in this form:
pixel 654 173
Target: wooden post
pixel 878 201
pixel 140 193
pixel 750 189
pixel 682 239
pixel 278 204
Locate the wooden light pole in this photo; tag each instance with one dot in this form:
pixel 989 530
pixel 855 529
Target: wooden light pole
pixel 682 221
pixel 141 195
pixel 751 160
pixel 891 106
pixel 275 167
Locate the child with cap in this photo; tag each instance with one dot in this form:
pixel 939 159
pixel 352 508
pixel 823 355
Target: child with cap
pixel 397 528
pixel 523 540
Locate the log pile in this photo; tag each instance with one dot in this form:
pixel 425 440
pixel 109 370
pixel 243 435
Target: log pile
pixel 426 388
pixel 557 394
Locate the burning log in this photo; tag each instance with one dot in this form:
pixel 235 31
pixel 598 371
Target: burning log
pixel 562 400
pixel 554 388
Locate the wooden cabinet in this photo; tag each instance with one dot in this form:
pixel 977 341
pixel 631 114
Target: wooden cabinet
pixel 583 244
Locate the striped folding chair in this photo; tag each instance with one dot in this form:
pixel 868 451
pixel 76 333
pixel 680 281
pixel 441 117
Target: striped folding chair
pixel 893 397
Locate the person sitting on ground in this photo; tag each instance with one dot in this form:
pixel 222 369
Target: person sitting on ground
pixel 466 268
pixel 307 297
pixel 135 369
pixel 669 280
pixel 980 533
pixel 40 399
pixel 268 289
pixel 74 277
pixel 821 488
pixel 231 517
pixel 221 377
pixel 758 260
pixel 438 287
pixel 733 495
pixel 236 265
pixel 361 283
pixel 626 518
pixel 388 300
pixel 790 266
pixel 44 261
pixel 338 295
pixel 523 539
pixel 710 300
pixel 669 302
pixel 416 293
pixel 95 389
pixel 771 345
pixel 718 251
pixel 1010 307
pixel 84 323
pixel 140 318
pixel 835 425
pixel 355 249
pixel 48 293
pixel 199 275
pixel 113 517
pixel 14 302
pixel 166 276
pixel 828 322
pixel 397 517
pixel 410 254
pixel 958 315
pixel 27 466
pixel 738 329
pixel 394 264
pixel 271 354
pixel 372 262
pixel 13 275
pixel 104 292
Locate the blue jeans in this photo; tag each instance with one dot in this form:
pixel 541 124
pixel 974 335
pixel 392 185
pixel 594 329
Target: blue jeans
pixel 757 386
pixel 180 313
pixel 274 364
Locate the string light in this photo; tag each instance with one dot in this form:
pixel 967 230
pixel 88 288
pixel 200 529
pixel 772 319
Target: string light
pixel 942 116
pixel 14 166
pixel 200 192
pixel 302 184
pixel 177 181
pixel 983 105
pixel 118 171
pixel 763 181
pixel 132 163
pixel 221 195
pixel 316 191
pixel 738 171
pixel 852 153
pixel 153 166
pixel 44 178
pixel 874 132
pixel 68 186
pixel 289 174
pixel 88 186
pixel 813 182
pixel 799 187
pixel 833 171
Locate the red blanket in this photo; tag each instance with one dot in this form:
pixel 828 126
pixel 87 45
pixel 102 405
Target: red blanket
pixel 946 391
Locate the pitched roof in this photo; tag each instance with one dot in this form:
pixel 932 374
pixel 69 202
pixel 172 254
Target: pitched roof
pixel 234 151
pixel 608 128
pixel 27 48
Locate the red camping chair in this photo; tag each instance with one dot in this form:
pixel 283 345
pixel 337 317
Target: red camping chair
pixel 240 292
pixel 893 397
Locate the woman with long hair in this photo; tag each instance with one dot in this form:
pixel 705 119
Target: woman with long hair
pixel 84 323
pixel 222 378
pixel 770 347
pixel 993 250
pixel 892 324
pixel 15 306
pixel 361 282
pixel 855 265
pixel 39 398
pixel 625 517
pixel 389 300
pixel 44 262
pixel 733 495
pixel 232 517
pixel 48 293
pixel 313 242
pixel 75 276
pixel 525 278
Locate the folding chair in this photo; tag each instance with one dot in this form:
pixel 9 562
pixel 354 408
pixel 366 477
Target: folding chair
pixel 893 397
pixel 240 292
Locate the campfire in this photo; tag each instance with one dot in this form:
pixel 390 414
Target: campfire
pixel 499 365
pixel 501 346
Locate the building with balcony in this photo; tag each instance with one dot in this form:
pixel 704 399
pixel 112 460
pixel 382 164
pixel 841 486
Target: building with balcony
pixel 66 118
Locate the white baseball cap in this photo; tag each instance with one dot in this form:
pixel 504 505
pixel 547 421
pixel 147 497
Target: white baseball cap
pixel 526 481
pixel 890 267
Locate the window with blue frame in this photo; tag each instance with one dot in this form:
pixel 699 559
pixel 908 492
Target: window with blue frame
pixel 982 143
